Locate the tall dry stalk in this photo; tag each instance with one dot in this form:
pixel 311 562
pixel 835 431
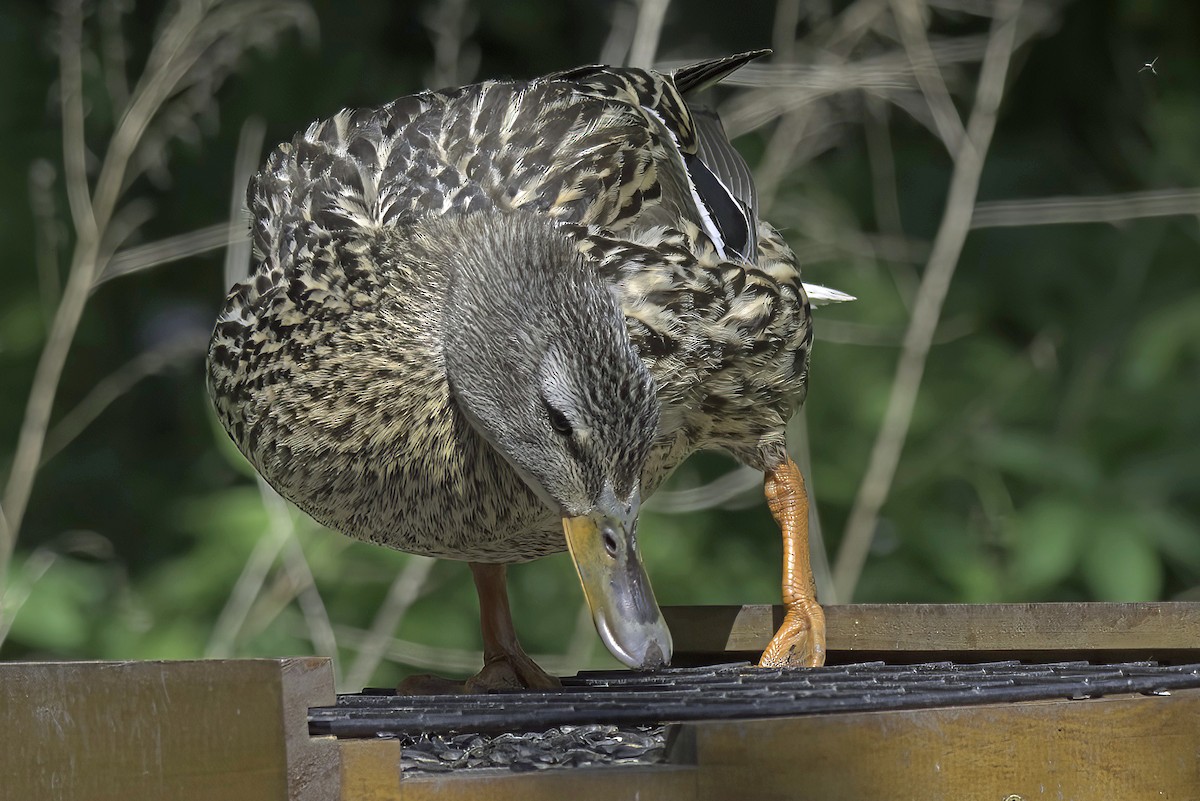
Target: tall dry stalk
pixel 970 152
pixel 198 44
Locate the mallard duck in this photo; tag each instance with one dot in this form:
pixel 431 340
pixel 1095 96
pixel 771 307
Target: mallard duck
pixel 485 323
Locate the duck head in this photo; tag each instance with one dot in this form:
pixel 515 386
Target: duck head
pixel 540 362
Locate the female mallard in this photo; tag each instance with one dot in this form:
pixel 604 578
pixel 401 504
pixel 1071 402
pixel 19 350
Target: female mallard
pixel 484 316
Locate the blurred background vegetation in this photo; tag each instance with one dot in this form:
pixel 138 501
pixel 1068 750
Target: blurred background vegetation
pixel 1052 448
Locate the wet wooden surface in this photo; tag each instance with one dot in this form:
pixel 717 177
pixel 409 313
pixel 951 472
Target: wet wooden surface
pixel 1166 632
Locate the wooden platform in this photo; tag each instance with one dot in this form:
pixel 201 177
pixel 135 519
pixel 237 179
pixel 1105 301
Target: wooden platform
pixel 910 633
pixel 237 729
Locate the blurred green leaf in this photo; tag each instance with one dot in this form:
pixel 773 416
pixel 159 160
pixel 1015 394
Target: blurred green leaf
pixel 59 613
pixel 1162 342
pixel 22 327
pixel 1037 459
pixel 1045 539
pixel 1119 562
pixel 1178 539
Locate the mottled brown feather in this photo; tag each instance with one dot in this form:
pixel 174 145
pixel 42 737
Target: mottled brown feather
pixel 326 365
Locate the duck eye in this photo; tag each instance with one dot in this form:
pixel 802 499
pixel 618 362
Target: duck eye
pixel 558 421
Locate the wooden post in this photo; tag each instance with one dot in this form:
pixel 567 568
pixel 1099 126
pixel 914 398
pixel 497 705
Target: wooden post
pixel 234 730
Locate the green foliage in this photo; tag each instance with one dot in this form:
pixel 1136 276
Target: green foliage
pixel 1052 455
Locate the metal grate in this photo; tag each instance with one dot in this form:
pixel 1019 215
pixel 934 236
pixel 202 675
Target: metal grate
pixel 738 691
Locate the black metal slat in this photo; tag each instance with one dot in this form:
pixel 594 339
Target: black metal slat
pixel 731 692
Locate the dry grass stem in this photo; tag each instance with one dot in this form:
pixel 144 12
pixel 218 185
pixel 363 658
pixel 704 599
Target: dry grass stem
pixel 781 88
pixel 847 332
pixel 28 452
pixel 737 483
pixel 935 283
pixel 113 52
pixel 455 58
pixel 620 33
pixel 123 224
pixel 843 32
pixel 780 154
pixel 1100 209
pixel 116 384
pixel 222 641
pixel 885 192
pixel 432 657
pixel 245 162
pixel 195 49
pixel 648 31
pixel 909 19
pixel 405 590
pixel 783 30
pixel 47 233
pixel 303 583
pixel 16 592
pixel 316 616
pixel 175 248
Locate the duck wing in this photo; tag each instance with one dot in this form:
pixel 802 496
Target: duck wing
pixel 725 186
pixel 720 195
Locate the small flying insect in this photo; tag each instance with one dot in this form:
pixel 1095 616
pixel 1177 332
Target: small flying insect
pixel 1149 65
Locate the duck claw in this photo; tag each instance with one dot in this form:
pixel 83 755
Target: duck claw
pixel 511 672
pixel 800 641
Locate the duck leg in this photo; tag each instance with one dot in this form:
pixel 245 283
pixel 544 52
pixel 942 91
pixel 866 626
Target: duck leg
pixel 505 663
pixel 506 666
pixel 800 641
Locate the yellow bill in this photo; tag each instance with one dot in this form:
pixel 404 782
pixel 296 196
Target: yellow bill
pixel 617 589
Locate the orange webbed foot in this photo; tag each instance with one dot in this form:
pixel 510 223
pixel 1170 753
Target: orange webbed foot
pixel 800 641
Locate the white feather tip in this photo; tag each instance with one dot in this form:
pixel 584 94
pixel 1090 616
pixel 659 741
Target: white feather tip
pixel 822 295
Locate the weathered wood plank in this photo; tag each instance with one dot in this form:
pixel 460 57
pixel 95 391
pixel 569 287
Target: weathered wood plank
pixel 147 731
pixel 1120 747
pixel 314 763
pixel 1168 631
pixel 370 770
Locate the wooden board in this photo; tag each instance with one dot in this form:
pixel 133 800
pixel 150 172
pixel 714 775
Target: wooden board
pixel 370 770
pixel 235 730
pixel 1167 632
pixel 1107 748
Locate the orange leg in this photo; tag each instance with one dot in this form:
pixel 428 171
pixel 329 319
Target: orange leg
pixel 505 663
pixel 800 641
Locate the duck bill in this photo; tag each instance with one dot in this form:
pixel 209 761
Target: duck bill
pixel 617 589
